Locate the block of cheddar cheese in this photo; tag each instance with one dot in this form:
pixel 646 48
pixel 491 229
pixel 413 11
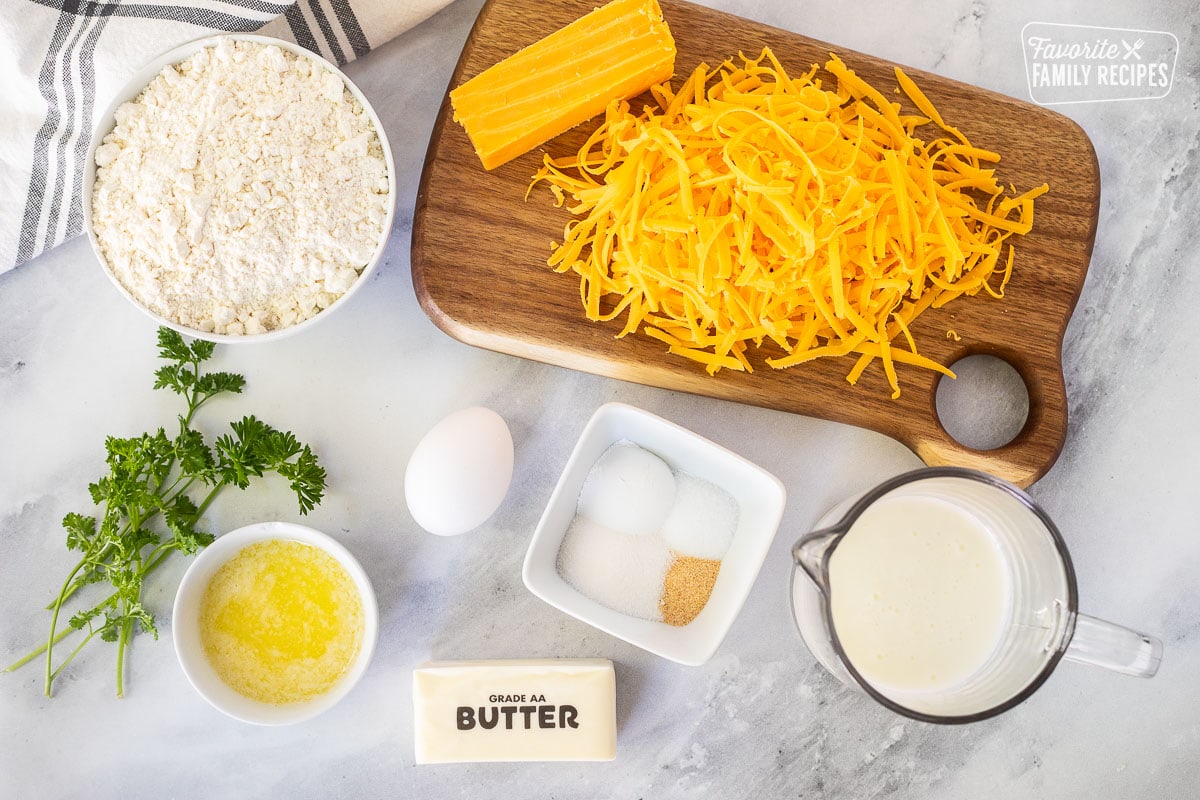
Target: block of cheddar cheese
pixel 616 52
pixel 552 709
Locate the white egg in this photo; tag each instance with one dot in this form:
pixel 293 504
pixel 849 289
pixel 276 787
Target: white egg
pixel 459 472
pixel 629 490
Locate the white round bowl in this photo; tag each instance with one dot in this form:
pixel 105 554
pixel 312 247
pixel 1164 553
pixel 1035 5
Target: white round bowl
pixel 107 120
pixel 185 626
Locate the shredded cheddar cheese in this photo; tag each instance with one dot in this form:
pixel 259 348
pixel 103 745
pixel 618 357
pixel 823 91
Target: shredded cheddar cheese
pixel 753 207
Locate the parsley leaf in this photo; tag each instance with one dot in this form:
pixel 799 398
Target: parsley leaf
pixel 172 347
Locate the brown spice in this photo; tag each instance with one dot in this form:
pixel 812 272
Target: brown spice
pixel 688 585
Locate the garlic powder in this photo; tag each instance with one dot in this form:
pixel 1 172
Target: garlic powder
pixel 242 191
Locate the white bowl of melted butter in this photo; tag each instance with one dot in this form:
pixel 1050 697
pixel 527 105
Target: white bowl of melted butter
pixel 274 623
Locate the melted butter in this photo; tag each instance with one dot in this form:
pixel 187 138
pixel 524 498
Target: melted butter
pixel 281 621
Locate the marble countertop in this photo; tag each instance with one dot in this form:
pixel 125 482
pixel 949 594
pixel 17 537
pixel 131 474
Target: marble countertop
pixel 761 719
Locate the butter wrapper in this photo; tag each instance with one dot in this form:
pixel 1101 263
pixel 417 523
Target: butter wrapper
pixel 556 709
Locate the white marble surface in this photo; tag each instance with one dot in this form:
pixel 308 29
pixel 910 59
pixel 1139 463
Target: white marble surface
pixel 761 719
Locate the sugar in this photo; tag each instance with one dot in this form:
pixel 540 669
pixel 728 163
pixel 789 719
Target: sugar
pixel 702 520
pixel 621 571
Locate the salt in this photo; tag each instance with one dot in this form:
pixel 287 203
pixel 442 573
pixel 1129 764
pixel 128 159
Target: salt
pixel 621 571
pixel 702 519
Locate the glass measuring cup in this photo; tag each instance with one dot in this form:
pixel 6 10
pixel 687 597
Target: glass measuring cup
pixel 1038 621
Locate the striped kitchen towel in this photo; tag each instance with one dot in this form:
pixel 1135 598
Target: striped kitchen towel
pixel 61 61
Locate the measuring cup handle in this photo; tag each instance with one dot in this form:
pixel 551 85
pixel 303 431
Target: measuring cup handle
pixel 1104 644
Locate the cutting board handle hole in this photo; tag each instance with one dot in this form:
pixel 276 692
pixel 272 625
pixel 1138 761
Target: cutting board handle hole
pixel 986 406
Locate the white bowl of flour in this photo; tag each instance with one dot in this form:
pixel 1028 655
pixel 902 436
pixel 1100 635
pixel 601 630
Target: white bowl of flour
pixel 239 188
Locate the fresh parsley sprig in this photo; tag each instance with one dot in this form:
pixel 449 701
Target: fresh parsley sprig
pixel 147 508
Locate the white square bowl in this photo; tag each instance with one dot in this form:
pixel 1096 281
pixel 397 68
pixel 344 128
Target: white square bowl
pixel 760 498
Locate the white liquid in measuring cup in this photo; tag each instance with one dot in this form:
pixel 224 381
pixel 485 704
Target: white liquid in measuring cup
pixel 920 594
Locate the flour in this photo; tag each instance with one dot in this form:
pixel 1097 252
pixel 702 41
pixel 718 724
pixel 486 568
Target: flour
pixel 242 191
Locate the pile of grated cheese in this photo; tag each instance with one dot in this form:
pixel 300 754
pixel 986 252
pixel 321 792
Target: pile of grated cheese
pixel 752 207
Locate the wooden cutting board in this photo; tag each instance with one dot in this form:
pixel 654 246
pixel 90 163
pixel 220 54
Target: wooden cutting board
pixel 479 252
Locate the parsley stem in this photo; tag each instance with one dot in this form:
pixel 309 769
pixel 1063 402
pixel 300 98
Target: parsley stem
pixel 211 496
pixel 74 653
pixel 35 653
pixel 121 659
pixel 155 562
pixel 62 596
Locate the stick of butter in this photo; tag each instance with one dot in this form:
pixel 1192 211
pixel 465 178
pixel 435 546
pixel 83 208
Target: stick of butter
pixel 552 709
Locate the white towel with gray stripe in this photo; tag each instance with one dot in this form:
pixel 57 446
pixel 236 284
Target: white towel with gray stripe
pixel 61 61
